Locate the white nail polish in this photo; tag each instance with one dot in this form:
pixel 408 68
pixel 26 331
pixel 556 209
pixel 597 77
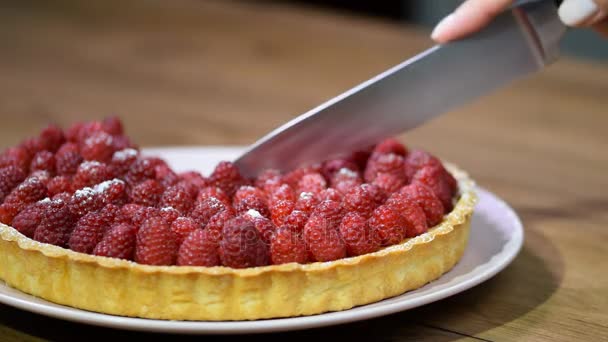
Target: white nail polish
pixel 576 12
pixel 444 24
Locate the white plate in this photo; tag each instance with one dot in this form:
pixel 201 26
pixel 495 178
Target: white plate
pixel 496 238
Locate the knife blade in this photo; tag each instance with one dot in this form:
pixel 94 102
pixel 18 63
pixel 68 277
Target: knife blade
pixel 519 42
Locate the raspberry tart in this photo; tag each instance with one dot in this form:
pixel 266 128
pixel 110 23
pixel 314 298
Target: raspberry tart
pixel 88 222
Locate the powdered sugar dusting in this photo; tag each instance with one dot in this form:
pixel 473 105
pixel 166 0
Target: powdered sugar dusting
pixel 306 195
pixel 125 154
pixel 87 165
pixel 103 186
pixel 348 172
pixel 254 213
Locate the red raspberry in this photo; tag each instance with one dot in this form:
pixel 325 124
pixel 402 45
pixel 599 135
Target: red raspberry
pixel 389 182
pixel 345 179
pixel 112 125
pixel 306 202
pixel 147 193
pixel 31 190
pixel 203 211
pixel 391 145
pixel 98 146
pixel 80 131
pixel 434 176
pixel 287 246
pixel 426 199
pixel 280 210
pixel 217 222
pixel 199 249
pixel 227 177
pixel 42 175
pixel 28 219
pixel 331 167
pixel 59 184
pixel 113 214
pixel 67 159
pixel 122 161
pixel 112 191
pixel 62 196
pixel 88 232
pixel 16 156
pixel 183 226
pixel 141 170
pixel 43 160
pixel 169 214
pixel 323 239
pixel 118 242
pixel 51 138
pixel 84 201
pixel 241 245
pixel 282 193
pixel 10 177
pixel 384 163
pixel 72 132
pixel 415 219
pixel 357 235
pixel 165 175
pixel 390 225
pixel 273 185
pixel 330 210
pixel 144 213
pixel 156 243
pixel 362 200
pixel 296 221
pixel 361 157
pixel 267 176
pixel 121 142
pixel 263 225
pixel 194 178
pixel 311 182
pixel 330 194
pixel 293 178
pixel 212 191
pixel 416 160
pixel 89 174
pixel 248 197
pixel 56 224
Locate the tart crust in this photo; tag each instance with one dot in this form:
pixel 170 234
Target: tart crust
pixel 125 288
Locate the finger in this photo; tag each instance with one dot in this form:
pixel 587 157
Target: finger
pixel 583 12
pixel 470 17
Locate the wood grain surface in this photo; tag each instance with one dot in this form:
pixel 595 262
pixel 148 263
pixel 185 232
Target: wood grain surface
pixel 223 72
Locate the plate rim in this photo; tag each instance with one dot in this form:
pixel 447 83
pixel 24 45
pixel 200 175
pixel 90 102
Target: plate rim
pixel 503 258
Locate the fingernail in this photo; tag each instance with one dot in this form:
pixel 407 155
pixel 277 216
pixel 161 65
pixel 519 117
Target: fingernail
pixel 443 27
pixel 576 12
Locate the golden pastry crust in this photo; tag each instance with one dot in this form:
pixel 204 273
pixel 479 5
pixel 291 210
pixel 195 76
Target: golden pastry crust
pixel 126 288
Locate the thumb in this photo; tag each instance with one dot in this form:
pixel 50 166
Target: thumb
pixel 583 12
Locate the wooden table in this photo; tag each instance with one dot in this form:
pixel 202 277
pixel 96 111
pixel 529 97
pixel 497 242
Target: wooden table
pixel 211 72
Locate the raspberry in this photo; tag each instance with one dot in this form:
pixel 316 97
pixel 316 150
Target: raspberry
pixel 287 246
pixel 434 177
pixel 323 239
pixel 311 182
pixel 118 242
pixel 147 193
pixel 89 174
pixel 227 177
pixel 203 211
pixel 42 175
pixel 179 198
pixel 164 175
pixel 56 224
pixel 361 157
pixel 142 214
pixel 217 222
pixel 293 178
pixel 330 194
pixel 391 145
pixel 426 199
pixel 248 197
pixel 267 176
pixel 212 191
pixel 389 182
pixel 88 232
pixel 199 249
pixel 415 219
pixel 345 179
pixel 361 200
pixel 113 214
pixel 112 191
pixel 357 235
pixel 67 159
pixel 28 219
pixel 296 221
pixel 43 160
pixel 241 245
pixel 121 142
pixel 156 243
pixel 84 201
pixel 331 167
pixel 10 177
pixel 280 210
pixel 51 138
pixel 183 226
pixel 389 224
pixel 112 125
pixel 263 225
pixel 122 161
pixel 384 163
pixel 31 146
pixel 62 196
pixel 98 146
pixel 416 160
pixel 273 185
pixel 194 178
pixel 282 193
pixel 141 170
pixel 169 214
pixel 59 184
pixel 306 202
pixel 31 190
pixel 72 132
pixel 330 210
pixel 16 156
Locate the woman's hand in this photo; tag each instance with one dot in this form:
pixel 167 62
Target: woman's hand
pixel 473 15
